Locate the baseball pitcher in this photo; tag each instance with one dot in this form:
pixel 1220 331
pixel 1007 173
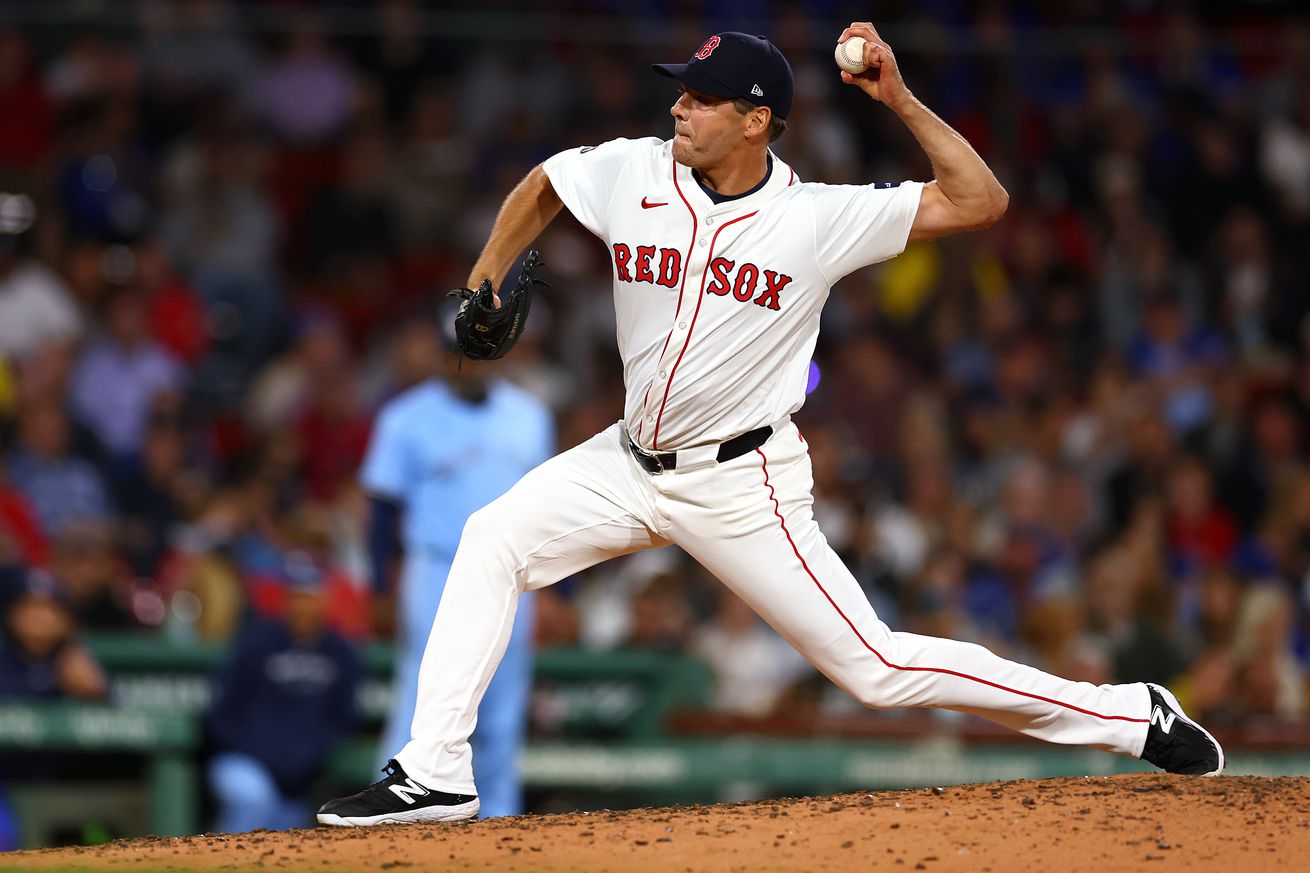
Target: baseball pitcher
pixel 722 260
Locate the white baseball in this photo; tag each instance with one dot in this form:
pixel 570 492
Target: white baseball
pixel 850 55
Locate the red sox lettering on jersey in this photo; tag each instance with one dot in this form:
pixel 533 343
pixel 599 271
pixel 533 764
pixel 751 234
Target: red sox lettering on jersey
pixel 741 282
pixel 718 303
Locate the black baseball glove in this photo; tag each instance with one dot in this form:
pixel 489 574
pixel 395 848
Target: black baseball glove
pixel 484 332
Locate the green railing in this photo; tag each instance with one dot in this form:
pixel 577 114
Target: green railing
pixel 616 709
pixel 160 688
pixel 626 693
pixel 673 767
pixel 167 740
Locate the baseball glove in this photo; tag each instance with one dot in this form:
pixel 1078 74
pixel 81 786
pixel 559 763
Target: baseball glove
pixel 483 332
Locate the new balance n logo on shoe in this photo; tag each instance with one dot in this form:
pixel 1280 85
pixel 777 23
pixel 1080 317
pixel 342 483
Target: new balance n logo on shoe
pixel 1164 720
pixel 410 789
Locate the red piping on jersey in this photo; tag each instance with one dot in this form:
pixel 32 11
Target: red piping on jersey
pixel 655 441
pixel 792 178
pixel 686 268
pixel 764 464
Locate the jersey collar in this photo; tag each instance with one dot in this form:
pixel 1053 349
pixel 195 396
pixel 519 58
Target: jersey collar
pixel 780 177
pixel 720 199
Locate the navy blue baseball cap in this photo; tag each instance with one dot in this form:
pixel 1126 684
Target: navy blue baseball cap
pixel 734 65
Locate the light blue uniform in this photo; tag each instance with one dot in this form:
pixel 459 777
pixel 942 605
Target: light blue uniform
pixel 442 457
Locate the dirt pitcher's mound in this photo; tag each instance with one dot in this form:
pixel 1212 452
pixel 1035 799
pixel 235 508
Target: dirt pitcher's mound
pixel 1102 824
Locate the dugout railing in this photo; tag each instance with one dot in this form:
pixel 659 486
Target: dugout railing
pixel 629 725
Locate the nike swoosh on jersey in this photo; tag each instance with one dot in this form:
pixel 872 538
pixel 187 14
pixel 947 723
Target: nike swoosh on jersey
pixel 645 205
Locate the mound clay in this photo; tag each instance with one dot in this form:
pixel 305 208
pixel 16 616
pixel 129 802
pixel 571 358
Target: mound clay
pixel 1102 824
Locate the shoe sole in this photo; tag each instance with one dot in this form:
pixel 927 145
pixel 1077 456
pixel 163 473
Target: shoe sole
pixel 1173 702
pixel 458 812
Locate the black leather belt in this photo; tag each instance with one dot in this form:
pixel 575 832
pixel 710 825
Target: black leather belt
pixel 659 462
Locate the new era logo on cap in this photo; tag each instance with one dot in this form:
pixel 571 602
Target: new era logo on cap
pixel 755 89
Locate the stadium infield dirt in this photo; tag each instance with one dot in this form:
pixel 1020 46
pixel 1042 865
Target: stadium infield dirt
pixel 1100 824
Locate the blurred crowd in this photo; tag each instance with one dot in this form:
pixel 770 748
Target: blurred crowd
pixel 1078 437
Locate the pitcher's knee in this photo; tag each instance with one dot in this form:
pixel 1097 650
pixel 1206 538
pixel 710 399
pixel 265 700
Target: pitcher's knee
pixel 483 524
pixel 492 537
pixel 880 685
pixel 491 529
pixel 866 682
pixel 874 696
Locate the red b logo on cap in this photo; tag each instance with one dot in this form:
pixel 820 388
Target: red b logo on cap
pixel 708 49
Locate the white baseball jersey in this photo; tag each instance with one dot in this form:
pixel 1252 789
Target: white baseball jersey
pixel 718 311
pixel 718 304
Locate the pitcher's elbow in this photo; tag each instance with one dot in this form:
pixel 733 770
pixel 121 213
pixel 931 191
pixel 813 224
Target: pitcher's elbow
pixel 996 205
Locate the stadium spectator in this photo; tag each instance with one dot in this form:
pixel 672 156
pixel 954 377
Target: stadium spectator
pixel 26 146
pixel 306 94
pixel 39 654
pixel 1200 533
pixel 284 697
pixel 429 178
pixel 176 314
pixel 222 230
pixel 333 429
pixel 662 615
pixel 40 659
pixel 193 48
pixel 1268 679
pixel 98 585
pixel 35 306
pixel 121 374
pixel 351 221
pixel 282 390
pixel 25 544
pixel 307 552
pixel 200 561
pixel 158 489
pixel 1178 361
pixel 105 184
pixel 61 487
pixel 753 666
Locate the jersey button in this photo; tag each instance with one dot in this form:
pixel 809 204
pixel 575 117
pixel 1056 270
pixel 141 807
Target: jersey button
pixel 709 221
pixel 650 418
pixel 682 325
pixel 663 374
pixel 703 243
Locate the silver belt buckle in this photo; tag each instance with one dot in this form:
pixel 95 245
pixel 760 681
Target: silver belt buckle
pixel 651 456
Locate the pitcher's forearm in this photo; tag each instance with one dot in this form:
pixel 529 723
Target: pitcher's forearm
pixel 966 194
pixel 962 175
pixel 526 212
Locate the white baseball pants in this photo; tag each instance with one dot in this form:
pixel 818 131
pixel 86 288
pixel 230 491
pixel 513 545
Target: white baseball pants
pixel 749 522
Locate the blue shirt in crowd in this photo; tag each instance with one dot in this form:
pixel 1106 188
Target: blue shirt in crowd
pixel 60 490
pixel 112 389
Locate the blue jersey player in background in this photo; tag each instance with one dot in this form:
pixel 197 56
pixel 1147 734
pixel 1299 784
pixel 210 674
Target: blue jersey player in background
pixel 438 452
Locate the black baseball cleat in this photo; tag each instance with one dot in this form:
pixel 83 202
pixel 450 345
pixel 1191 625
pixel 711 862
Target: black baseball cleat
pixel 397 799
pixel 1175 743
